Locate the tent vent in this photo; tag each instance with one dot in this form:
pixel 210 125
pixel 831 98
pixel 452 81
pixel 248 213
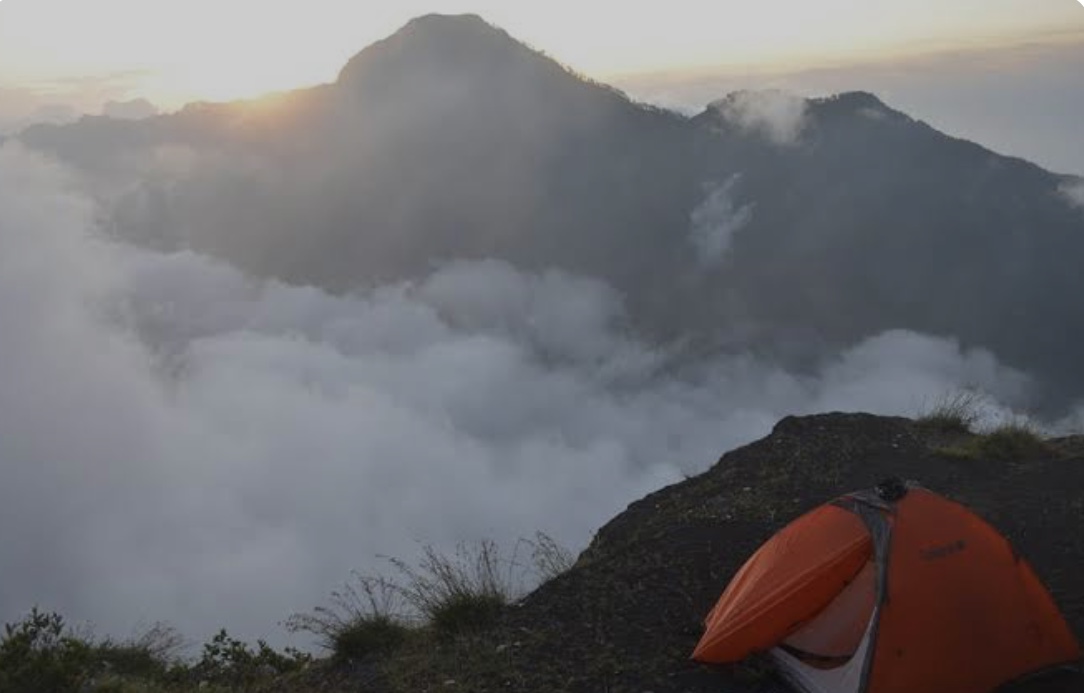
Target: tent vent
pixel 892 489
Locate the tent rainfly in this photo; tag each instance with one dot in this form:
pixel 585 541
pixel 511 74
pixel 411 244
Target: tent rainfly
pixel 890 590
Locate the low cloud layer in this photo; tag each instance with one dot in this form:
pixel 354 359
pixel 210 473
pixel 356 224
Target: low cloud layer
pixel 183 442
pixel 134 109
pixel 20 108
pixel 776 115
pixel 1074 193
pixel 716 219
pixel 65 100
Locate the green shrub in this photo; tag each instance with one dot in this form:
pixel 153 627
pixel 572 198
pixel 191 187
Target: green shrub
pixel 229 662
pixel 125 660
pixel 39 653
pixel 149 655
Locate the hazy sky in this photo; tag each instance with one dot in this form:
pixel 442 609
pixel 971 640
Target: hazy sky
pixel 171 51
pixel 1023 100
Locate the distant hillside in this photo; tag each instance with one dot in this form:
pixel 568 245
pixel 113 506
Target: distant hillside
pixel 766 222
pixel 875 220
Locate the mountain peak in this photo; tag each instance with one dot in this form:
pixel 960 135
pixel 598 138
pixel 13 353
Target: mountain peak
pixel 435 21
pixel 854 103
pixel 854 100
pixel 435 41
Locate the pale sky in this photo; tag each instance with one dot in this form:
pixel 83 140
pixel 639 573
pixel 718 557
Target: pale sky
pixel 172 51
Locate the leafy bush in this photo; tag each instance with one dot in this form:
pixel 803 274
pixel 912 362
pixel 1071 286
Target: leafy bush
pixel 229 662
pixel 149 655
pixel 40 653
pixel 125 660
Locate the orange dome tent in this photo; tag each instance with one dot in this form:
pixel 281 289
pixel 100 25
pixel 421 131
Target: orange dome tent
pixel 892 590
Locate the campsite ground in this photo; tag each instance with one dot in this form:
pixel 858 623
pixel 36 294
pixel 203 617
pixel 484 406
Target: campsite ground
pixel 627 615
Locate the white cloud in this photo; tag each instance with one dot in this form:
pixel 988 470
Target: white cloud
pixel 776 115
pixel 716 219
pixel 1073 193
pixel 183 442
pixel 133 109
pixel 873 113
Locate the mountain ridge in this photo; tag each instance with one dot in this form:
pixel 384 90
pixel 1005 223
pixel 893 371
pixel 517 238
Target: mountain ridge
pixel 834 218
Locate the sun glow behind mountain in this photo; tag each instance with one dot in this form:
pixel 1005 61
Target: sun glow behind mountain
pixel 172 52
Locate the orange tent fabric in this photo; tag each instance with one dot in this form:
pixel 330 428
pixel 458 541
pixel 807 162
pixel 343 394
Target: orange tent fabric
pixel 929 596
pixel 963 609
pixel 786 582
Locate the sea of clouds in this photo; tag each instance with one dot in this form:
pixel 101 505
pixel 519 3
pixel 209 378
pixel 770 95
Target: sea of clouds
pixel 182 442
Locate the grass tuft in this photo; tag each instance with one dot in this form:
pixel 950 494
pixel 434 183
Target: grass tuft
pixel 461 592
pixel 366 616
pixel 467 613
pixel 954 412
pixel 367 636
pixel 449 593
pixel 1013 440
pixel 550 559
